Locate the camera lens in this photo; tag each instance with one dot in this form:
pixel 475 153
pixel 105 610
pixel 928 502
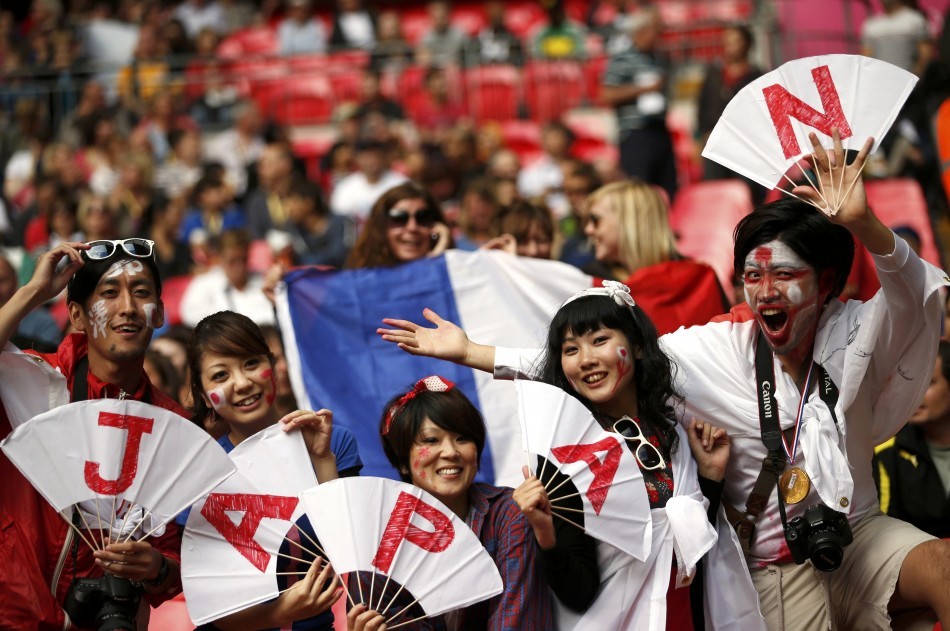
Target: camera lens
pixel 825 551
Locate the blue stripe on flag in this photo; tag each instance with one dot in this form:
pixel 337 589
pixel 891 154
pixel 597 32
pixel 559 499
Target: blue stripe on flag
pixel 348 368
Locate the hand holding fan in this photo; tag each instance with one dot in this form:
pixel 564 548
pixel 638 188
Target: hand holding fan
pixel 405 534
pixel 576 453
pixel 131 467
pixel 236 537
pixel 765 129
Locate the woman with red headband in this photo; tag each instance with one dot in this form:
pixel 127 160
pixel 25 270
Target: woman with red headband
pixel 434 436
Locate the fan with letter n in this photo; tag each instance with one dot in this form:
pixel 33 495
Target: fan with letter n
pixel 764 129
pixel 126 467
pixel 418 554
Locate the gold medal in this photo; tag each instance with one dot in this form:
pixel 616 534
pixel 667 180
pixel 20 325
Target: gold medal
pixel 794 485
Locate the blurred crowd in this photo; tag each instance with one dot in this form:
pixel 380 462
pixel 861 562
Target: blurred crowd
pixel 127 118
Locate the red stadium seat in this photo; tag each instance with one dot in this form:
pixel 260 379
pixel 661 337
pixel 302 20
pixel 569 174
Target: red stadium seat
pixel 900 202
pixel 594 69
pixel 415 24
pixel 524 138
pixel 469 18
pixel 173 289
pixel 523 18
pixel 301 100
pixel 493 92
pixel 251 41
pixel 411 92
pixel 259 256
pixel 703 217
pixel 552 88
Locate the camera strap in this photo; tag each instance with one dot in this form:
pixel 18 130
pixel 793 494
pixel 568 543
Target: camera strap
pixel 774 440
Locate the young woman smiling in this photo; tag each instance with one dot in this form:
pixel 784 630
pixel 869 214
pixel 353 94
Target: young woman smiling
pixel 434 437
pixel 233 382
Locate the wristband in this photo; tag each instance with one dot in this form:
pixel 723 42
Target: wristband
pixel 162 574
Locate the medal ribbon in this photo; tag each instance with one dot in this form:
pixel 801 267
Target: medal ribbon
pixel 798 420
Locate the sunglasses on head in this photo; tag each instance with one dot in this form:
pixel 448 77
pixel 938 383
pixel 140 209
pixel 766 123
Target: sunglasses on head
pixel 139 248
pixel 425 218
pixel 648 456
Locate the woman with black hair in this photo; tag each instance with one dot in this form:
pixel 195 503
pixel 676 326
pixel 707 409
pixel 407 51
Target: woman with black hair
pixel 434 437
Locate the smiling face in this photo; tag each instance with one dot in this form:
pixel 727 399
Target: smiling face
pixel 121 314
pixel 599 365
pixel 409 241
pixel 603 230
pixel 784 294
pixel 242 391
pixel 444 463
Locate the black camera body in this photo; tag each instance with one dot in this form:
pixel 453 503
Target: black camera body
pixel 107 603
pixel 820 534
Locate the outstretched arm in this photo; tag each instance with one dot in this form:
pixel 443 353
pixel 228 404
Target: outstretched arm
pixel 445 341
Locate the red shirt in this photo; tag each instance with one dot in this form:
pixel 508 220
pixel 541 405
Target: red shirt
pixel 35 541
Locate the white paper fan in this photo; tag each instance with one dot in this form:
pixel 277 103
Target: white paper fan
pixel 235 538
pixel 29 386
pixel 405 534
pixel 764 129
pixel 610 502
pixel 131 467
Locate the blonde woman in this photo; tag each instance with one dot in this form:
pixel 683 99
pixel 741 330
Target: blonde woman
pixel 628 226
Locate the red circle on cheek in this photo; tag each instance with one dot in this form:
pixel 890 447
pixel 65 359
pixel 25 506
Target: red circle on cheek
pixel 215 399
pixel 267 374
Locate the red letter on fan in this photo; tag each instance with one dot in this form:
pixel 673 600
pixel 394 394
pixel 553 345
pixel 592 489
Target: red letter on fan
pixel 603 471
pixel 255 508
pixel 399 528
pixel 782 106
pixel 135 426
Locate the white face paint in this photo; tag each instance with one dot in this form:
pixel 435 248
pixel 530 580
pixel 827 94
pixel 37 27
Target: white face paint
pixel 218 398
pixel 98 318
pixel 127 266
pixel 151 310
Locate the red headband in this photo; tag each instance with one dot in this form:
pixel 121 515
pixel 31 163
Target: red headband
pixel 433 383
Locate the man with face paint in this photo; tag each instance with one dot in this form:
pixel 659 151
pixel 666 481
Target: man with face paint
pixel 877 357
pixel 114 305
pixel 793 261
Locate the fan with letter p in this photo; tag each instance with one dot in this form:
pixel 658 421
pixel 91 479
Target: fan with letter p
pixel 412 546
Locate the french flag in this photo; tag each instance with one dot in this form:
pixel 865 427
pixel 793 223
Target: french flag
pixel 337 361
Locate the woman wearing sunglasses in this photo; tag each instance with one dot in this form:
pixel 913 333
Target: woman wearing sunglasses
pixel 603 350
pixel 405 224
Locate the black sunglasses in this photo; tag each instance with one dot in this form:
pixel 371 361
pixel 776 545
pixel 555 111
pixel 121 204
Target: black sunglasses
pixel 426 218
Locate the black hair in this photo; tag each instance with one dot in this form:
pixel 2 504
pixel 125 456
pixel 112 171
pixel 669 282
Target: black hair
pixel 653 369
pixel 451 410
pixel 224 333
pixel 745 33
pixel 803 228
pixel 306 189
pixel 943 352
pixel 84 281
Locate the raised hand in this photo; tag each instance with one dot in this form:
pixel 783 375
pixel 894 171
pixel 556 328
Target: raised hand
pixel 841 193
pixel 532 498
pixel 48 278
pixel 317 428
pixel 710 446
